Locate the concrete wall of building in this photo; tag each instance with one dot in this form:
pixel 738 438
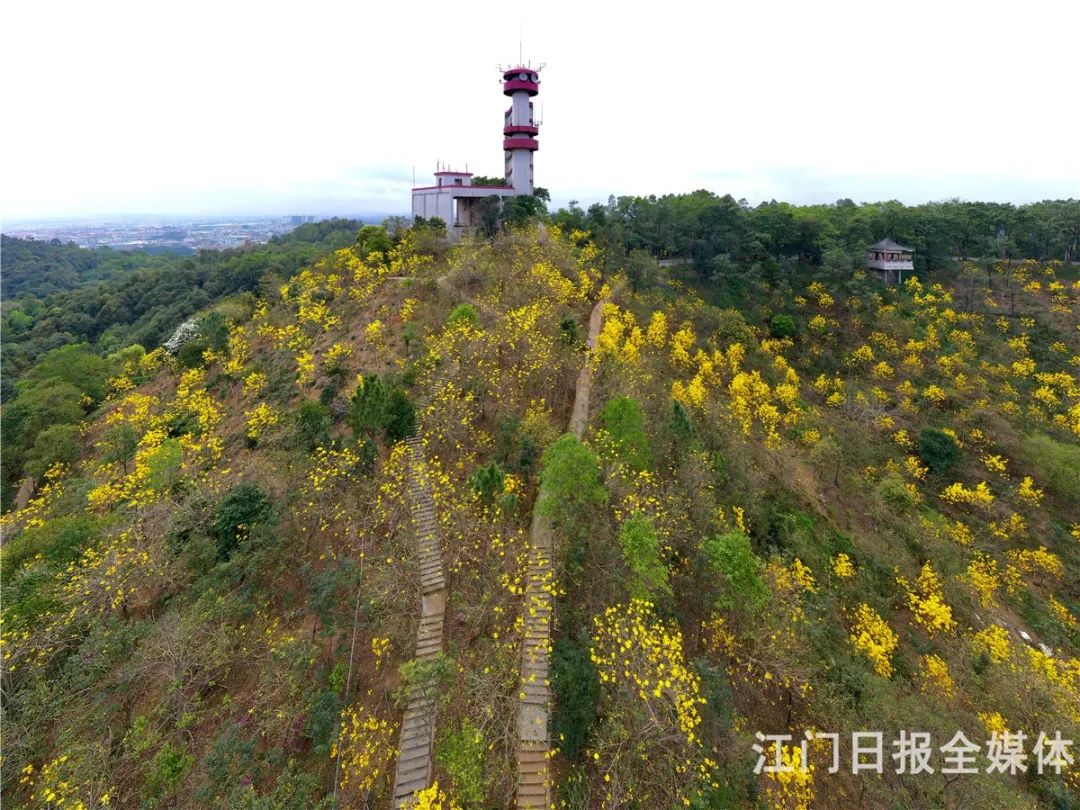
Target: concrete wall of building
pixel 521 171
pixel 434 202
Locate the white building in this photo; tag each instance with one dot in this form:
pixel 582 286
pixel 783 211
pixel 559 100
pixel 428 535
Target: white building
pixel 890 259
pixel 453 198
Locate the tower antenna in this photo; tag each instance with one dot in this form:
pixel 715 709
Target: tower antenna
pixel 519 43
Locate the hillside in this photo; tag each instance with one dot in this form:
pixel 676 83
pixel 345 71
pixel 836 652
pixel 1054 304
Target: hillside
pixel 793 500
pixel 59 351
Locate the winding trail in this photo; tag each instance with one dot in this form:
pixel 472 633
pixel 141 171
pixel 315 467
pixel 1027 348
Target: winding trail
pixel 418 727
pixel 534 694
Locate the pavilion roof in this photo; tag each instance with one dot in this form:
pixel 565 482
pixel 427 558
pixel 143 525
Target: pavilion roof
pixel 889 244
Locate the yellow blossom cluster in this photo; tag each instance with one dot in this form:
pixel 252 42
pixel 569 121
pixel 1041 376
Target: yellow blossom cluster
pixel 927 601
pixel 872 636
pixel 957 493
pixel 842 566
pixel 365 747
pixel 633 650
pixel 258 420
pixel 1037 561
pixel 994 641
pixel 791 786
pixel 935 675
pixel 53 786
pixel 432 798
pixel 238 352
pixel 1029 492
pixel 983 578
pixel 254 383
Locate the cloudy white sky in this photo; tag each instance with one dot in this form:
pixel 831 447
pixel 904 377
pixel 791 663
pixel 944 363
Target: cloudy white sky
pixel 217 106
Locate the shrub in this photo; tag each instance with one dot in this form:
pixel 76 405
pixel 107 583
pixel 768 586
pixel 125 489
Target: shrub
pixel 400 416
pixel 313 423
pixel 782 326
pixel 624 422
pixel 575 689
pixel 242 507
pixel 937 450
pixel 463 313
pixel 641 550
pixel 730 556
pixel 895 493
pixel 461 755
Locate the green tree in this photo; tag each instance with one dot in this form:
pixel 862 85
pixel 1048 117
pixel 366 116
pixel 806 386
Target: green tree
pixel 244 506
pixel 313 423
pixel 120 443
pixel 641 551
pixel 56 443
pixel 730 556
pixel 463 313
pixel 461 754
pixel 782 326
pixel 77 365
pixel 576 690
pixel 367 406
pixel 570 479
pixel 400 416
pixel 642 269
pixel 37 407
pixel 488 482
pixel 937 450
pixel 623 420
pixel 372 239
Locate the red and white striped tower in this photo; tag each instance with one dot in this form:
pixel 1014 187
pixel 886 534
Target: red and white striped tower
pixel 520 128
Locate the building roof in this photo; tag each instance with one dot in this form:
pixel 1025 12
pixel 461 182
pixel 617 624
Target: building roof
pixel 889 244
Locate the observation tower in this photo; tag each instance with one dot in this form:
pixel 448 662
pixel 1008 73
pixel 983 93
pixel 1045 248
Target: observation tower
pixel 520 126
pixel 454 199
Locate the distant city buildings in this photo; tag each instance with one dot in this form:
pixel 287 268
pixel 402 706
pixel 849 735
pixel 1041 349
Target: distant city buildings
pixel 180 236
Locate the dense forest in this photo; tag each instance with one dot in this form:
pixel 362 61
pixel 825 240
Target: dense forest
pixel 793 500
pixel 713 231
pixel 37 268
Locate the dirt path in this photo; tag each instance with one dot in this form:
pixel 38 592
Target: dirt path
pixel 534 694
pixel 418 727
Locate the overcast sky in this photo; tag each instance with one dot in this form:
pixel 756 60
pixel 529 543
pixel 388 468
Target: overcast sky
pixel 328 107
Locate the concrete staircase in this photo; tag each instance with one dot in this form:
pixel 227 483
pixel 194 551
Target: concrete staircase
pixel 534 695
pixel 414 763
pixel 534 744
